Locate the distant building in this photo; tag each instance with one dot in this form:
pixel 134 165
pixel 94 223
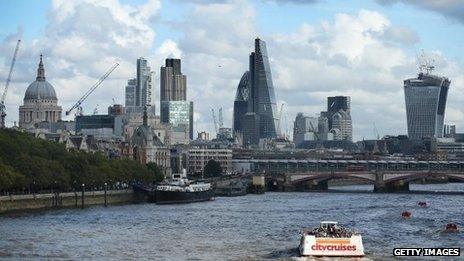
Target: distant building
pixel 40 102
pixel 425 98
pixel 102 127
pixel 197 159
pixel 180 115
pixel 130 92
pixel 261 101
pixel 449 131
pixel 174 107
pixel 203 135
pixel 262 91
pixel 143 92
pixel 173 84
pixel 305 128
pixel 241 104
pixel 338 116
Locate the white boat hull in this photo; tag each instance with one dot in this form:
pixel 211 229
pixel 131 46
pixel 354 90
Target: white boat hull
pixel 311 245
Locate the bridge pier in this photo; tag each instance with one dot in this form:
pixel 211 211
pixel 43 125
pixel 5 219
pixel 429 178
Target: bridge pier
pixel 395 186
pixel 313 185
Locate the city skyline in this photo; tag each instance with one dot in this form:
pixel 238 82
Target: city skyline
pixel 306 60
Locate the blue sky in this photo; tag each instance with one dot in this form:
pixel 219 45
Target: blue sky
pixel 222 31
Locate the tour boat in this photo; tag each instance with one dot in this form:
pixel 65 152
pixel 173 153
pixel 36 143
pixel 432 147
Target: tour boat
pixel 406 214
pixel 182 190
pixel 452 227
pixel 331 239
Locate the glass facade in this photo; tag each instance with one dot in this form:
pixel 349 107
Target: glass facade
pixel 178 114
pixel 425 98
pixel 241 103
pixel 143 91
pixel 262 100
pixel 130 92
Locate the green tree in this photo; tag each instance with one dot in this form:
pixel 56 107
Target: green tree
pixel 153 168
pixel 212 169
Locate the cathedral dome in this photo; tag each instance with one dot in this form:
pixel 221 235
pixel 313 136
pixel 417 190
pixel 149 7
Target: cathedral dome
pixel 40 89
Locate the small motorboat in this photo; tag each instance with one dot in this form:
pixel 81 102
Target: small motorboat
pixel 331 239
pixel 451 227
pixel 406 214
pixel 422 204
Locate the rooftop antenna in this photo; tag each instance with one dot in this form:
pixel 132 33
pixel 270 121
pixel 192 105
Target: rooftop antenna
pixel 425 63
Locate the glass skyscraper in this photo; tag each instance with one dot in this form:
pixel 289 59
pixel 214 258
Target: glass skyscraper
pixel 261 105
pixel 425 105
pixel 143 91
pixel 262 91
pixel 241 103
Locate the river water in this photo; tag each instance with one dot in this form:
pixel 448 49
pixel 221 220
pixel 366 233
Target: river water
pixel 252 227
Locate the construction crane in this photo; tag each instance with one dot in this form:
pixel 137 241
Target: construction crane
pixel 280 118
pixel 82 99
pixel 221 119
pixel 215 121
pixel 5 91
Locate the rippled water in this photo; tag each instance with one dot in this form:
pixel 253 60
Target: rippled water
pixel 250 227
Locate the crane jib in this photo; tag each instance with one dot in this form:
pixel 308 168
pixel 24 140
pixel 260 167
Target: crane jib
pixel 82 99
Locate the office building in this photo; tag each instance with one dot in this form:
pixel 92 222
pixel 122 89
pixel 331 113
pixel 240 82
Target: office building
pixel 174 107
pixel 261 100
pixel 102 127
pixel 130 92
pixel 143 91
pixel 173 84
pixel 305 128
pixel 179 114
pixel 425 98
pixel 241 104
pixel 197 158
pixel 338 116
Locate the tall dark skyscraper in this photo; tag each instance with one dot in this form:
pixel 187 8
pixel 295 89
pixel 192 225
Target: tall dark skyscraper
pixel 174 107
pixel 173 84
pixel 425 98
pixel 261 105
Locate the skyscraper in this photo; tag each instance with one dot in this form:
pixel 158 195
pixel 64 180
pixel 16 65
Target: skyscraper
pixel 338 116
pixel 130 92
pixel 425 98
pixel 262 98
pixel 173 85
pixel 174 107
pixel 241 104
pixel 143 91
pixel 262 91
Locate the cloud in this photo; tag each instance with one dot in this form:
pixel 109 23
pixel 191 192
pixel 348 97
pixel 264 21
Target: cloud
pixel 82 40
pixel 449 8
pixel 363 55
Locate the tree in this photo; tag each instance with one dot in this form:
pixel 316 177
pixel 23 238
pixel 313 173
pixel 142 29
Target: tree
pixel 212 169
pixel 154 170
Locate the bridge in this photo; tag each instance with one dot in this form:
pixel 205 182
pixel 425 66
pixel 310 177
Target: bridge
pixel 386 176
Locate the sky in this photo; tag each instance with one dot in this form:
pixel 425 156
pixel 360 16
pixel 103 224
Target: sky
pixel 317 48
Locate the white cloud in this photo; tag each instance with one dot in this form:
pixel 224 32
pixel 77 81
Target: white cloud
pixel 364 55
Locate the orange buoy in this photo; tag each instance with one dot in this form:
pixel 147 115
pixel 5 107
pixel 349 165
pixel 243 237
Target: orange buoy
pixel 452 227
pixel 406 214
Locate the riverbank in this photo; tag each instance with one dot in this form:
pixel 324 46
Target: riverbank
pixel 31 202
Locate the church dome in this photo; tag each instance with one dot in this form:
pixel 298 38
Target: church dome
pixel 40 89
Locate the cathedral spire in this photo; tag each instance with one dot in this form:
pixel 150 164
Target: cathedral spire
pixel 40 71
pixel 145 116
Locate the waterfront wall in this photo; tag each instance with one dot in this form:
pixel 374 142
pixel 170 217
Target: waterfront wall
pixel 19 203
